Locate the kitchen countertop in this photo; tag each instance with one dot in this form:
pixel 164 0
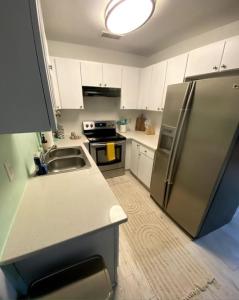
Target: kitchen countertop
pixel 150 141
pixel 56 208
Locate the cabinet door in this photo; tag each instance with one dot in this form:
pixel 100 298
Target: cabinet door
pixel 24 92
pixel 91 73
pixel 69 82
pixel 54 81
pixel 112 76
pixel 130 88
pixel 230 59
pixel 134 158
pixel 176 67
pixel 144 88
pixel 205 60
pixel 157 86
pixel 145 169
pixel 128 155
pixel 44 60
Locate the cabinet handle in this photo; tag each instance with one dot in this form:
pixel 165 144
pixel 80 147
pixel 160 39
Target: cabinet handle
pixel 146 107
pixel 215 68
pixel 100 84
pixel 123 107
pixel 223 66
pixel 50 67
pixel 81 106
pixel 158 108
pixel 105 84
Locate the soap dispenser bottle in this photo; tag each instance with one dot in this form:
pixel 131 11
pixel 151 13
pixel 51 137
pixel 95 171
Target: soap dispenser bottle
pixel 44 143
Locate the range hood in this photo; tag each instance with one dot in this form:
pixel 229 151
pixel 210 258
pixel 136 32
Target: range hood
pixel 92 91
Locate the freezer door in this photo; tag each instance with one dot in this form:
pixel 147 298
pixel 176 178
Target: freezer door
pixel 212 126
pixel 176 97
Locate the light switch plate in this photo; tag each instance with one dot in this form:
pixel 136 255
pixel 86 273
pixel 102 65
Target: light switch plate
pixel 9 170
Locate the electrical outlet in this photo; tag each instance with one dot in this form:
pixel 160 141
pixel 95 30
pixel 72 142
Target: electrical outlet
pixel 9 170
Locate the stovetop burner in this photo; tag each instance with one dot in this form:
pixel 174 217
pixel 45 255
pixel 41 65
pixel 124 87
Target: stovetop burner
pixel 101 131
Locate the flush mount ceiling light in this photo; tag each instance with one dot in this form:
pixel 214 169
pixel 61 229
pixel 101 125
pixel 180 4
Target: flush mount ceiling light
pixel 124 16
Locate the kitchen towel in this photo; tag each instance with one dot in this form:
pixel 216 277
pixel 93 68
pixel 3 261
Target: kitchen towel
pixel 110 151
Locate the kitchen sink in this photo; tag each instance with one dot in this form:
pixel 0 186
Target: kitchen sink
pixel 60 152
pixel 61 160
pixel 66 164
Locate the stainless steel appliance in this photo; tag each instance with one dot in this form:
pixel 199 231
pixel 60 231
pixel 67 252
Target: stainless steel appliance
pixel 99 133
pixel 92 91
pixel 195 176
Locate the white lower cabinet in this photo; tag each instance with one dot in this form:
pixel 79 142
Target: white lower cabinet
pixel 142 159
pixel 145 168
pixel 134 158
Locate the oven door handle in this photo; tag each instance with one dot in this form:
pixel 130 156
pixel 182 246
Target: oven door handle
pixel 104 144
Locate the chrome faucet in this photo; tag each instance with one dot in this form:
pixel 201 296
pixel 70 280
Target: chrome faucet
pixel 44 155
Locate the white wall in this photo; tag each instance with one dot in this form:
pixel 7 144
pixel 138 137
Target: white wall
pixel 100 108
pixel 94 54
pixel 212 36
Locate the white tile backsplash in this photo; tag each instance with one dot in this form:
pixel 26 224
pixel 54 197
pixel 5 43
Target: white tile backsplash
pixel 102 108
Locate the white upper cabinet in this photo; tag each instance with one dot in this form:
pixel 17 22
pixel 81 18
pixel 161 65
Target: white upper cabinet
pixel 54 81
pixel 157 86
pixel 230 59
pixel 112 75
pixel 205 60
pixel 91 73
pixel 69 83
pixel 130 87
pixel 144 88
pixel 176 68
pixel 101 75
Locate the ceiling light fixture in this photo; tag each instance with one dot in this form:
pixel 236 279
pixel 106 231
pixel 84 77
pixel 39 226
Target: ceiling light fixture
pixel 124 16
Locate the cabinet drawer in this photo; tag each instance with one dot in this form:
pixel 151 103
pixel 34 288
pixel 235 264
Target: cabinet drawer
pixel 146 151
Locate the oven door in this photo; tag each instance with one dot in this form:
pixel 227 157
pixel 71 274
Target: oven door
pixel 98 152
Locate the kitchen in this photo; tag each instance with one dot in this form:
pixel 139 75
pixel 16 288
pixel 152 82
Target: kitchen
pixel 104 211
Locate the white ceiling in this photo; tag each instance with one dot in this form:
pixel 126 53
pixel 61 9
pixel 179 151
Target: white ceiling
pixel 82 21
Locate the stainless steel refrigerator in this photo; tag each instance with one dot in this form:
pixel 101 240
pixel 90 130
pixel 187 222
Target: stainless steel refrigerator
pixel 195 177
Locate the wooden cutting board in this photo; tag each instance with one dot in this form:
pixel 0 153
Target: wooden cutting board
pixel 139 125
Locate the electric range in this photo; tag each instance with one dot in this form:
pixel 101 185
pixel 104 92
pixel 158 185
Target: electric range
pixel 99 133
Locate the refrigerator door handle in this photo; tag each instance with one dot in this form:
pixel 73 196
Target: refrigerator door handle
pixel 173 163
pixel 185 100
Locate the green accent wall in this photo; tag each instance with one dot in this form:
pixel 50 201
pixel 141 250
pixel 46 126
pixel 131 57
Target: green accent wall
pixel 18 151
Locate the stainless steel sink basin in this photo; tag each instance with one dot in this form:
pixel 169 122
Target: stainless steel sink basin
pixel 60 152
pixel 66 164
pixel 61 160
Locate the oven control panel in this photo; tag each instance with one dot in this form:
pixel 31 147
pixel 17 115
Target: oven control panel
pixel 93 125
pixel 88 125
